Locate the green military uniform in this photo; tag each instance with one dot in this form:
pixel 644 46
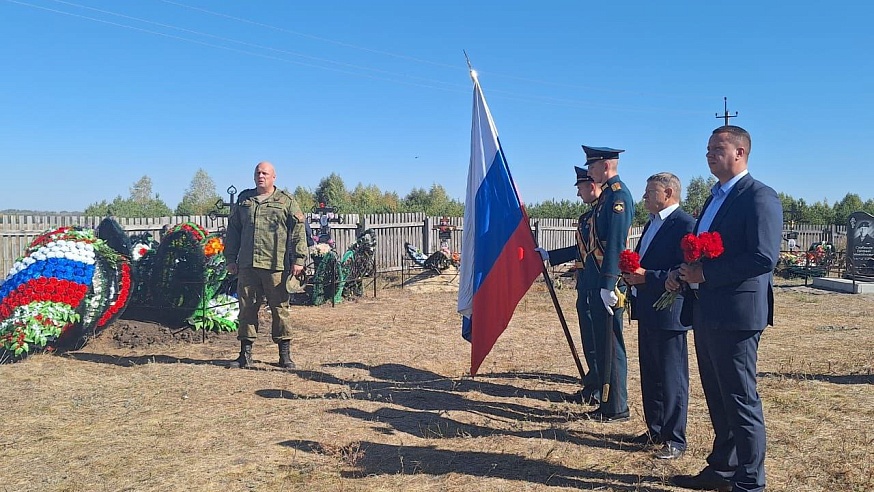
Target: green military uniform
pixel 592 382
pixel 264 238
pixel 610 221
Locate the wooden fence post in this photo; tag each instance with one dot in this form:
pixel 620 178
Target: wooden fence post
pixel 537 232
pixel 428 224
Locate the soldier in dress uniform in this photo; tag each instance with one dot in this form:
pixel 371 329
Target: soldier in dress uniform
pixel 609 224
pixel 589 192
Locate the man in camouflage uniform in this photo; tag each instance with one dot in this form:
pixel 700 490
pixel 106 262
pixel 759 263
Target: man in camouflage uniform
pixel 609 225
pixel 265 245
pixel 588 191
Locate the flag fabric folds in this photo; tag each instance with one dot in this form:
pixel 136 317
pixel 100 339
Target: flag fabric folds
pixel 498 260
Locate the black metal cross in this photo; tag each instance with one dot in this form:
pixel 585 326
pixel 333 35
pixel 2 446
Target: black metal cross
pixel 221 204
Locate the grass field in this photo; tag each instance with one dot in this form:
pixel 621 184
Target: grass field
pixel 381 401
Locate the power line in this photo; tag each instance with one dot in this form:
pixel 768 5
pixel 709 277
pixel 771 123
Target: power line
pixel 228 48
pixel 253 45
pixel 347 68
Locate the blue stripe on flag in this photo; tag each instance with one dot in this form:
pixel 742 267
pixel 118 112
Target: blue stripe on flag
pixel 498 214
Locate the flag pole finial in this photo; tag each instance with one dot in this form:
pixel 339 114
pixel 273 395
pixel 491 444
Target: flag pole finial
pixel 473 73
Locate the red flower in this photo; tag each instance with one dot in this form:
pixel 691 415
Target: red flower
pixel 691 248
pixel 629 261
pixel 705 245
pixel 121 299
pixel 711 244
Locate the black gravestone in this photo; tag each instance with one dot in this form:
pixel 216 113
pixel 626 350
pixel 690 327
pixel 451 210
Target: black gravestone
pixel 860 246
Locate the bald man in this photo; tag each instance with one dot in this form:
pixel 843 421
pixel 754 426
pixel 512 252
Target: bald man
pixel 265 243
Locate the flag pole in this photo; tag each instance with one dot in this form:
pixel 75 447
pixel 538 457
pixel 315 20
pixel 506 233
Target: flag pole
pixel 546 277
pixel 567 332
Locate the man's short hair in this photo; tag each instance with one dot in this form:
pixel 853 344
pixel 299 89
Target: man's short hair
pixel 739 136
pixel 667 180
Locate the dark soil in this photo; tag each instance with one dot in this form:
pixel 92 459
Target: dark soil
pixel 142 327
pixel 138 334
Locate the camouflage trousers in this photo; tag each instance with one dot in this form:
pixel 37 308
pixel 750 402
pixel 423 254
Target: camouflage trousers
pixel 253 286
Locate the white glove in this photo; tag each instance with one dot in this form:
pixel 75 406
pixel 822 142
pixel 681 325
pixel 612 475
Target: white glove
pixel 610 299
pixel 543 253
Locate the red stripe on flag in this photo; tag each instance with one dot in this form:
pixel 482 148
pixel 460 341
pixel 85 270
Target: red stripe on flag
pixel 503 288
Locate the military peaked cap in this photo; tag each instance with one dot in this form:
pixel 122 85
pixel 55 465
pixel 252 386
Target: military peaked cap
pixel 594 154
pixel 582 175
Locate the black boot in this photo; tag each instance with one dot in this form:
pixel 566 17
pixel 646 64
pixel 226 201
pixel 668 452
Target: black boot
pixel 285 361
pixel 245 359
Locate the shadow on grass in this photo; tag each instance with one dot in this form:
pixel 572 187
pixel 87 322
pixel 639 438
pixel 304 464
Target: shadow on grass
pixel 429 398
pixel 424 390
pixel 828 378
pixel 140 359
pixel 370 458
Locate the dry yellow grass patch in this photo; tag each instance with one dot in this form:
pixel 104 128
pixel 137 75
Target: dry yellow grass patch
pixel 380 401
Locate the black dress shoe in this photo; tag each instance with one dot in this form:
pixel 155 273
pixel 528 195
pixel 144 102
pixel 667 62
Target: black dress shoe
pixel 598 416
pixel 705 480
pixel 669 452
pixel 644 440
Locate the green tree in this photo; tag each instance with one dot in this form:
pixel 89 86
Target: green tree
pixel 305 198
pixel 367 200
pixel 697 192
pixel 391 201
pixel 99 209
pixel 842 209
pixel 141 191
pixel 432 202
pixel 141 203
pixel 332 192
pixel 562 209
pixel 440 203
pixel 200 198
pixel 415 201
pixel 641 215
pixel 818 213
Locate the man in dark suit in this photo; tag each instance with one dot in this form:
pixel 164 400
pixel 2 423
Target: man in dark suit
pixel 662 346
pixel 733 305
pixel 589 192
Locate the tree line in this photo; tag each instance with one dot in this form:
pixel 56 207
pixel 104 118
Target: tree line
pixel 201 198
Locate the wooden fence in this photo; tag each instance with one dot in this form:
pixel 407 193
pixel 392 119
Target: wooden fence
pixel 391 231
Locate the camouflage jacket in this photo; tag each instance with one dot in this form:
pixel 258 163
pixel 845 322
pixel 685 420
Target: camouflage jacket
pixel 266 234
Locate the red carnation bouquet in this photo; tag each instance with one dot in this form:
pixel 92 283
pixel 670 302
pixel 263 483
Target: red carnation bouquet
pixel 629 261
pixel 704 246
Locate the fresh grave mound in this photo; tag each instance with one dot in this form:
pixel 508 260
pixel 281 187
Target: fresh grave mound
pixel 183 279
pixel 71 283
pixel 143 335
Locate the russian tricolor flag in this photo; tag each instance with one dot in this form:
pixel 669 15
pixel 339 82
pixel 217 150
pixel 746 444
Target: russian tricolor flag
pixel 498 260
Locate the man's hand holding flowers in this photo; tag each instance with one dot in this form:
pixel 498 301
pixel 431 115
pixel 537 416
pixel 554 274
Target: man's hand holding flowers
pixel 629 265
pixel 707 245
pixel 692 273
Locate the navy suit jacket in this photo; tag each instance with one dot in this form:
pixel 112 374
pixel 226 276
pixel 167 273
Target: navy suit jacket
pixel 663 254
pixel 738 293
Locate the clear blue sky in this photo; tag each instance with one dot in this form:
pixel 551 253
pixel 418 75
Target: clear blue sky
pixel 94 94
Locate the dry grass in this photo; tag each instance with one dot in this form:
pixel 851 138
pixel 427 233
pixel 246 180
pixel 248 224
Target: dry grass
pixel 380 401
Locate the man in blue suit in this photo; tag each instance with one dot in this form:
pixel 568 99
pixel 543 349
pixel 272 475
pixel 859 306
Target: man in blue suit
pixel 589 192
pixel 662 346
pixel 733 305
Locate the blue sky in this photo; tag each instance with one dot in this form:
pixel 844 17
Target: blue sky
pixel 94 94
